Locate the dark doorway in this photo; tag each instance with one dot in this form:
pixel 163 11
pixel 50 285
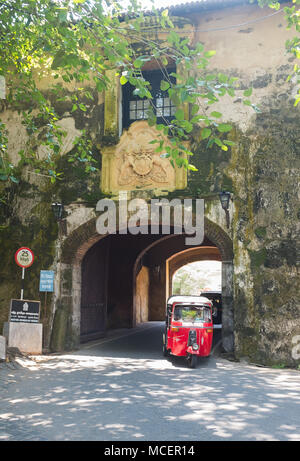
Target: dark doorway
pixel 94 292
pixel 125 281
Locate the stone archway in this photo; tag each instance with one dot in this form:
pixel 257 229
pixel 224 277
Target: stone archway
pixel 217 246
pixel 224 244
pixel 175 262
pixel 67 319
pixel 66 323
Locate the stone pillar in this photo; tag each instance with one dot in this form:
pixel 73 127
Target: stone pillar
pixel 65 331
pixel 111 107
pixel 142 295
pixel 157 304
pixel 227 306
pixel 2 348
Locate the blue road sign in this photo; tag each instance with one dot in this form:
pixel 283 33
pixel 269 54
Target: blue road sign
pixel 47 281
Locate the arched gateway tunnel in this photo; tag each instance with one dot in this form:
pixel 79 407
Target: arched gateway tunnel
pixel 120 280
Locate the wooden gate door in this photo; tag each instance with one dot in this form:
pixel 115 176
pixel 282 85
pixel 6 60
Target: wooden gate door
pixel 94 292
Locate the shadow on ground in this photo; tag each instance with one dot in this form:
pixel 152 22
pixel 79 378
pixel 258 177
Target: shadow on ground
pixel 112 391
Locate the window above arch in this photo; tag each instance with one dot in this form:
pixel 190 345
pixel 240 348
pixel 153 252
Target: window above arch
pixel 134 108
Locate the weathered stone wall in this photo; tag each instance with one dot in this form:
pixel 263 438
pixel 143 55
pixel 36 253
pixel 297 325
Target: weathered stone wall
pixel 263 174
pixel 261 171
pixel 266 238
pixel 26 217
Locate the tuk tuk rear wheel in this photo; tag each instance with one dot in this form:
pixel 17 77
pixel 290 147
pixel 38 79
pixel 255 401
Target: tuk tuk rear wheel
pixel 166 353
pixel 192 360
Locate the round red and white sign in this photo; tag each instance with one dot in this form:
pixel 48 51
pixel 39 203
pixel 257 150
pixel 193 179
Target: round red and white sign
pixel 24 257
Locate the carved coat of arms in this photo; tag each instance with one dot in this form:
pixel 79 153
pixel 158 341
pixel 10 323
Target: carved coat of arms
pixel 140 167
pixel 134 164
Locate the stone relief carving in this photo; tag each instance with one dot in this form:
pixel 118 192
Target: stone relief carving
pixel 141 167
pixel 134 164
pixel 137 162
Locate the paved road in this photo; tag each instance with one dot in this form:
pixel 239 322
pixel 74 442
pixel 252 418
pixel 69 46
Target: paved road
pixel 122 389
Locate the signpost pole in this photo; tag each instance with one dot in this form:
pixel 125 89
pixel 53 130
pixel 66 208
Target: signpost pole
pixel 22 285
pixel 24 329
pixel 45 322
pixel 24 257
pixel 45 308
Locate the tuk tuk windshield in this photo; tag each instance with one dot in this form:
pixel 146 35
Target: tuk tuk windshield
pixel 194 314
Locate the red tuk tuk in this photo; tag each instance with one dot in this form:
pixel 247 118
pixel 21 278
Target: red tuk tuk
pixel 189 328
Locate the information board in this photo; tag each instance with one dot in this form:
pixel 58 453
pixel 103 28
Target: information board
pixel 26 311
pixel 47 281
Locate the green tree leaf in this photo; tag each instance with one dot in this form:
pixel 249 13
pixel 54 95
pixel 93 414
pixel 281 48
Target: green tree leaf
pixel 164 85
pixel 248 92
pixel 205 133
pixel 179 114
pixel 216 114
pixel 224 127
pixel 123 80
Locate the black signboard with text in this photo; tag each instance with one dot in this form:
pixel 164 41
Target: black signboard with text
pixel 22 310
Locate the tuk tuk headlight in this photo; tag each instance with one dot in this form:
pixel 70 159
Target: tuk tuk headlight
pixel 195 346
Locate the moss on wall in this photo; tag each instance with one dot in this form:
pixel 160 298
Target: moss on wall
pixel 27 222
pixel 62 337
pixel 259 176
pixel 263 170
pixel 26 219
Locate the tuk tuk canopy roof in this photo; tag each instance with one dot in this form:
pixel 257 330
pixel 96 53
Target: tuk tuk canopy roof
pixel 188 299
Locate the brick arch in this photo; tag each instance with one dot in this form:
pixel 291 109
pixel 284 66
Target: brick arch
pixel 224 244
pixel 73 250
pixel 85 236
pixel 220 238
pixel 79 242
pixel 178 260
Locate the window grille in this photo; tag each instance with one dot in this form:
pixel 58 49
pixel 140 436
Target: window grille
pixel 135 108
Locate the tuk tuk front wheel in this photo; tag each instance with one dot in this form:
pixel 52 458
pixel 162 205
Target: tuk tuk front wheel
pixel 192 360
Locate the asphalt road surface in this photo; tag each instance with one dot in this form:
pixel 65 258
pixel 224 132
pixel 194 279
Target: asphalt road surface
pixel 121 388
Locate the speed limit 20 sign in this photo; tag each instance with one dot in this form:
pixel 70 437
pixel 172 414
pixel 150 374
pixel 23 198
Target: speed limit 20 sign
pixel 24 257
